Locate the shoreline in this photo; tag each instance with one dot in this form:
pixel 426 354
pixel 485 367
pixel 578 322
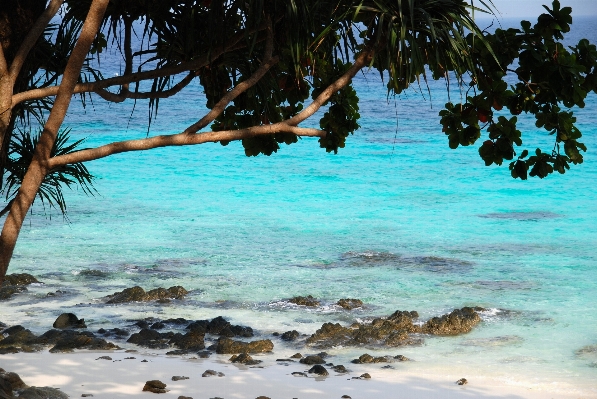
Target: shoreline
pixel 84 372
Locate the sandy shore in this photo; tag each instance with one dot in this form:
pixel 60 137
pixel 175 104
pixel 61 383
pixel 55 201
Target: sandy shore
pixel 83 373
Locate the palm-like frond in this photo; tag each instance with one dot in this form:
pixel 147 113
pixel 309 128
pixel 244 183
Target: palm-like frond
pixel 22 148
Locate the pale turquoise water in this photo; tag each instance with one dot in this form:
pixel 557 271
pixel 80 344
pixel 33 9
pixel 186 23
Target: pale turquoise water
pixel 396 219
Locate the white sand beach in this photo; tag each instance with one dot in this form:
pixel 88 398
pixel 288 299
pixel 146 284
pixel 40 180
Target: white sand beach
pixel 84 373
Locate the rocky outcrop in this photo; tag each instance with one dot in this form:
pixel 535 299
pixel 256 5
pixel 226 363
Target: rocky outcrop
pixel 192 340
pixel 20 279
pixel 319 370
pixel 138 294
pixel 308 301
pixel 69 320
pixel 68 341
pixel 459 321
pixel 244 358
pixel 350 303
pixel 290 335
pixel 395 330
pixel 312 359
pixel 155 386
pixel 10 382
pixel 15 283
pixel 220 326
pixel 151 339
pixel 42 393
pixel 228 346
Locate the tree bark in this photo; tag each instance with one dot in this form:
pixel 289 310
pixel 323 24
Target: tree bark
pixel 39 165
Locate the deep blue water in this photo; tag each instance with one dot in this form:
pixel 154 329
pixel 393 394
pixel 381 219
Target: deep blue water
pixel 396 219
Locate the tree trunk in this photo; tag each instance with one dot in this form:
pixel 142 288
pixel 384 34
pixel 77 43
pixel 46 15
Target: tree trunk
pixel 39 165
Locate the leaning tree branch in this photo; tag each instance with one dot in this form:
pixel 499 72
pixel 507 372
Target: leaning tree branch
pixel 118 98
pixel 217 110
pixel 360 62
pixel 195 64
pixel 180 139
pixel 187 138
pixel 36 31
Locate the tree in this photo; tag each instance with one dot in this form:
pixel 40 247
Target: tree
pixel 259 63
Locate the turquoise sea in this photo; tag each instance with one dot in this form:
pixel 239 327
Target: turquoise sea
pixel 396 219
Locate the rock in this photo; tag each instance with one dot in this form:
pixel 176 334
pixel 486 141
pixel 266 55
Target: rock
pixel 392 331
pixel 365 376
pixel 185 397
pixel 312 359
pixel 5 390
pixel 290 335
pixel 262 397
pixel 20 279
pixel 42 393
pixel 12 380
pixel 204 354
pixel 69 340
pixel 138 294
pixel 216 325
pixel 308 301
pixel 298 374
pixel 179 378
pixel 228 346
pixel 459 321
pixel 114 332
pixel 193 340
pixel 345 397
pixel 153 339
pixel 367 358
pixel 69 320
pixel 19 339
pixel 244 358
pixel 350 303
pixel 462 381
pixel 8 290
pixel 155 386
pixel 401 358
pixel 210 373
pixel 158 325
pixel 319 370
pixel 340 369
pixel 242 331
pixel 104 358
pixel 296 356
pixel 199 325
pixel 86 395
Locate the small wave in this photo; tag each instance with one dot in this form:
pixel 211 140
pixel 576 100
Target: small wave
pixel 437 264
pixel 523 216
pixel 494 341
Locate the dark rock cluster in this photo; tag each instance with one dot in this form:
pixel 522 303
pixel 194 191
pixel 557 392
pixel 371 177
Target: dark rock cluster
pixel 350 303
pixel 308 301
pixel 229 346
pixel 15 283
pixel 396 330
pixel 11 386
pixel 138 294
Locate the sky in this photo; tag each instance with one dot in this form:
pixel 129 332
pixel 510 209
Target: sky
pixel 532 8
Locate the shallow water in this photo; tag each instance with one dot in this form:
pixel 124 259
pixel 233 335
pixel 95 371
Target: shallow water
pixel 396 219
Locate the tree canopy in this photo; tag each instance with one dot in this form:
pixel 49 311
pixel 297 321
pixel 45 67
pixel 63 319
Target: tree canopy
pixel 265 67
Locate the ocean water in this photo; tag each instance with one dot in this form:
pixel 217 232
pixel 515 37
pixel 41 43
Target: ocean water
pixel 396 219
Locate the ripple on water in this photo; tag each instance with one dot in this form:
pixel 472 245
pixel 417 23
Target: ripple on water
pixel 496 285
pixel 523 216
pixel 489 342
pixel 434 264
